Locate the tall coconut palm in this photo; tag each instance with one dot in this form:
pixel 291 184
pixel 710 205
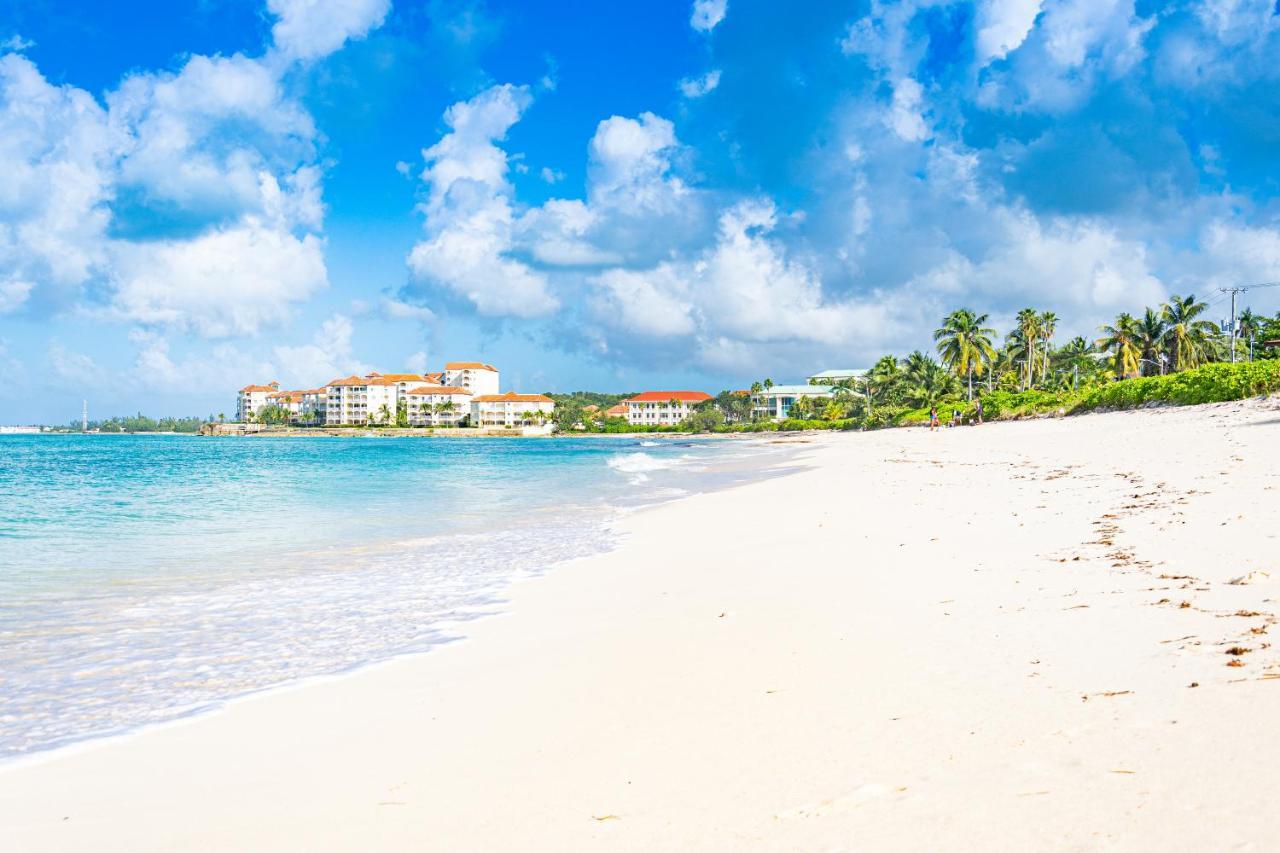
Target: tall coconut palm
pixel 881 378
pixel 1191 341
pixel 1121 341
pixel 1248 324
pixel 1046 325
pixel 1029 330
pixel 964 343
pixel 930 382
pixel 1149 335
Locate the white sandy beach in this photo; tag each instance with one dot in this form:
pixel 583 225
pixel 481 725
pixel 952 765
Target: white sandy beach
pixel 983 638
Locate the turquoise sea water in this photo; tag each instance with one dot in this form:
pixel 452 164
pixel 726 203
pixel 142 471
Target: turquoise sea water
pixel 143 578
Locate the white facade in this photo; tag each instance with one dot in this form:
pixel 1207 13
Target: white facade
pixel 312 407
pixel 510 410
pixel 831 377
pixel 478 378
pixel 360 401
pixel 290 401
pixel 662 408
pixel 437 405
pixel 253 399
pixel 775 403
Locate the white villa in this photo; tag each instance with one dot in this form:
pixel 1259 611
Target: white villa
pixel 662 408
pixel 253 399
pixel 437 405
pixel 775 403
pixel 510 410
pixel 475 376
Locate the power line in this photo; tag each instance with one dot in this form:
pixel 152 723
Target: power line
pixel 1243 288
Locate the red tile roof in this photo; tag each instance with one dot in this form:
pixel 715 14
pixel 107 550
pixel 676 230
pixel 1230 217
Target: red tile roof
pixel 399 377
pixel 438 389
pixel 512 397
pixel 619 410
pixel 665 396
pixel 274 386
pixel 349 381
pixel 469 365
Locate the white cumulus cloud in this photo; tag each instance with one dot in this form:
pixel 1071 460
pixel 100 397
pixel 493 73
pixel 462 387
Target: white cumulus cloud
pixel 308 29
pixel 707 14
pixel 696 87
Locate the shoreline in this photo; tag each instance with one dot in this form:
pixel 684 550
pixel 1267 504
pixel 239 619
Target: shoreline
pixel 914 633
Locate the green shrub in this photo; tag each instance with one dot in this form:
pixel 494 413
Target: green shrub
pixel 1212 383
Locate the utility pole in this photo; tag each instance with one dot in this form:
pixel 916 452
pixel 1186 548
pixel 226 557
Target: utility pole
pixel 1233 291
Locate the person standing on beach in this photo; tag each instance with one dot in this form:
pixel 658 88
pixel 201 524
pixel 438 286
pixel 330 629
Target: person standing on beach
pixel 933 418
pixel 978 411
pixel 955 416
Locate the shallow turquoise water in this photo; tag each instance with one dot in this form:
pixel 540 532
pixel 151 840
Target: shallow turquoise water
pixel 146 577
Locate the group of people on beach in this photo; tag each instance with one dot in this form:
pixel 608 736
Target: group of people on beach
pixel 956 418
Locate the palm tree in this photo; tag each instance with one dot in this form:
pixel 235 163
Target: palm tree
pixel 1121 341
pixel 447 408
pixel 1149 333
pixel 1047 324
pixel 1028 334
pixel 965 343
pixel 930 382
pixel 1191 341
pixel 1074 358
pixel 882 376
pixel 384 414
pixel 1248 325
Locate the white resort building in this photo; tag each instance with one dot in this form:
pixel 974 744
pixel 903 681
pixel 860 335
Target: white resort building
pixel 253 399
pixel 662 408
pixel 510 410
pixel 475 376
pixel 775 403
pixel 441 399
pixel 437 405
pixel 361 400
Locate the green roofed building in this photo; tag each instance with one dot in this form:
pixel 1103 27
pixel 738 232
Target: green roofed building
pixel 831 377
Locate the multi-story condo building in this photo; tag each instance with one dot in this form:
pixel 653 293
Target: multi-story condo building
pixel 290 401
pixel 437 405
pixel 476 377
pixel 253 399
pixel 403 381
pixel 360 400
pixel 662 408
pixel 314 401
pixel 510 410
pixel 775 403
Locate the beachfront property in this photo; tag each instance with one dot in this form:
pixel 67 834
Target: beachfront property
pixel 361 400
pixel 775 403
pixel 510 410
pixel 618 411
pixel 253 399
pixel 437 405
pixel 475 376
pixel 662 408
pixel 427 399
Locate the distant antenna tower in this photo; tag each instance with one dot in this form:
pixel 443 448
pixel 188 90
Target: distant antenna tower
pixel 84 415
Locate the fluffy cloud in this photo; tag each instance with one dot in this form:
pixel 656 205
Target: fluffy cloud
pixel 707 14
pixel 308 29
pixel 230 281
pixel 329 355
pixel 192 201
pixel 469 216
pixel 1002 27
pixel 696 87
pixel 58 150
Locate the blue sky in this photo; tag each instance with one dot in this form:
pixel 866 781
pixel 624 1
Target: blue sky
pixel 198 194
